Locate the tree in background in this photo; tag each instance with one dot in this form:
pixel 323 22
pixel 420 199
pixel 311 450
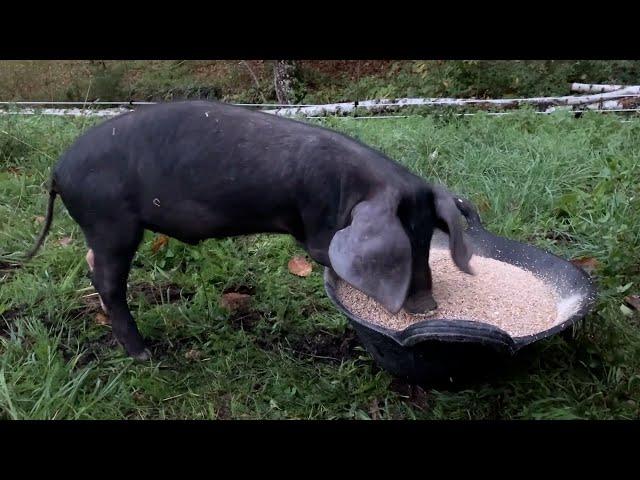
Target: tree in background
pixel 284 79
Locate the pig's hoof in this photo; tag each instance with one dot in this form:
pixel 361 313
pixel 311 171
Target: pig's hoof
pixel 420 304
pixel 143 356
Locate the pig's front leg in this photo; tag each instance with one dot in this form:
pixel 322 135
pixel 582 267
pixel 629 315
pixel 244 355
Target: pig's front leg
pixel 420 297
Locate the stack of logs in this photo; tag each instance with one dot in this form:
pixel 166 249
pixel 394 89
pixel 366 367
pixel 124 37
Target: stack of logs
pixel 597 97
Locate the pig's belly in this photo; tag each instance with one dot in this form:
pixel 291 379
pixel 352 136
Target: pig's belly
pixel 192 221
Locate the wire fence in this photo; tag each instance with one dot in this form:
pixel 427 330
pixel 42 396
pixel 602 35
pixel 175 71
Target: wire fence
pixel 97 108
pixel 297 105
pixel 133 103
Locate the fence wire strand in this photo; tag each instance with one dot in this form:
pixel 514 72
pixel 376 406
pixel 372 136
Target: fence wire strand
pixel 32 109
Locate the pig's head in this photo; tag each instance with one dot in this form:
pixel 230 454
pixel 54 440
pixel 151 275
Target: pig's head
pixel 377 252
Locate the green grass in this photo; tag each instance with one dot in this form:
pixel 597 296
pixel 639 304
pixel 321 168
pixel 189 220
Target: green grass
pixel 567 185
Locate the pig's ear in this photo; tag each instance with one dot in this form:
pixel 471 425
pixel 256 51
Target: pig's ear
pixel 374 253
pixel 449 220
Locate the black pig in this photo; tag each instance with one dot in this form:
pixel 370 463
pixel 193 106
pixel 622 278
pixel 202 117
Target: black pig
pixel 197 170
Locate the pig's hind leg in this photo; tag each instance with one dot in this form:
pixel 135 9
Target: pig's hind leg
pixel 91 262
pixel 113 244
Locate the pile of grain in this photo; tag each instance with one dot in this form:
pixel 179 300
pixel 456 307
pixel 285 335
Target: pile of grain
pixel 499 293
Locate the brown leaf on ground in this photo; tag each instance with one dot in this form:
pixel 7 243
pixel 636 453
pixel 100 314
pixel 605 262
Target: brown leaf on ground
pixel 633 301
pixel 234 301
pixel 193 354
pixel 102 319
pixel 138 396
pixel 588 264
pixel 374 409
pixel 159 242
pixel 40 219
pixel 65 241
pixel 300 266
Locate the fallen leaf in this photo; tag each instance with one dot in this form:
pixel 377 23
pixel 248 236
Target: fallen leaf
pixel 159 242
pixel 300 266
pixel 234 301
pixel 65 241
pixel 193 354
pixel 40 219
pixel 102 319
pixel 374 409
pixel 633 301
pixel 588 264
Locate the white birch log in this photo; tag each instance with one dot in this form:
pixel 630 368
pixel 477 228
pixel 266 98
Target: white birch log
pixel 606 105
pixel 386 105
pixel 628 103
pixel 627 97
pixel 594 88
pixel 72 112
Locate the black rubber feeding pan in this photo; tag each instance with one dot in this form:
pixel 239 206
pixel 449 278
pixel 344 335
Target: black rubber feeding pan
pixel 437 350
